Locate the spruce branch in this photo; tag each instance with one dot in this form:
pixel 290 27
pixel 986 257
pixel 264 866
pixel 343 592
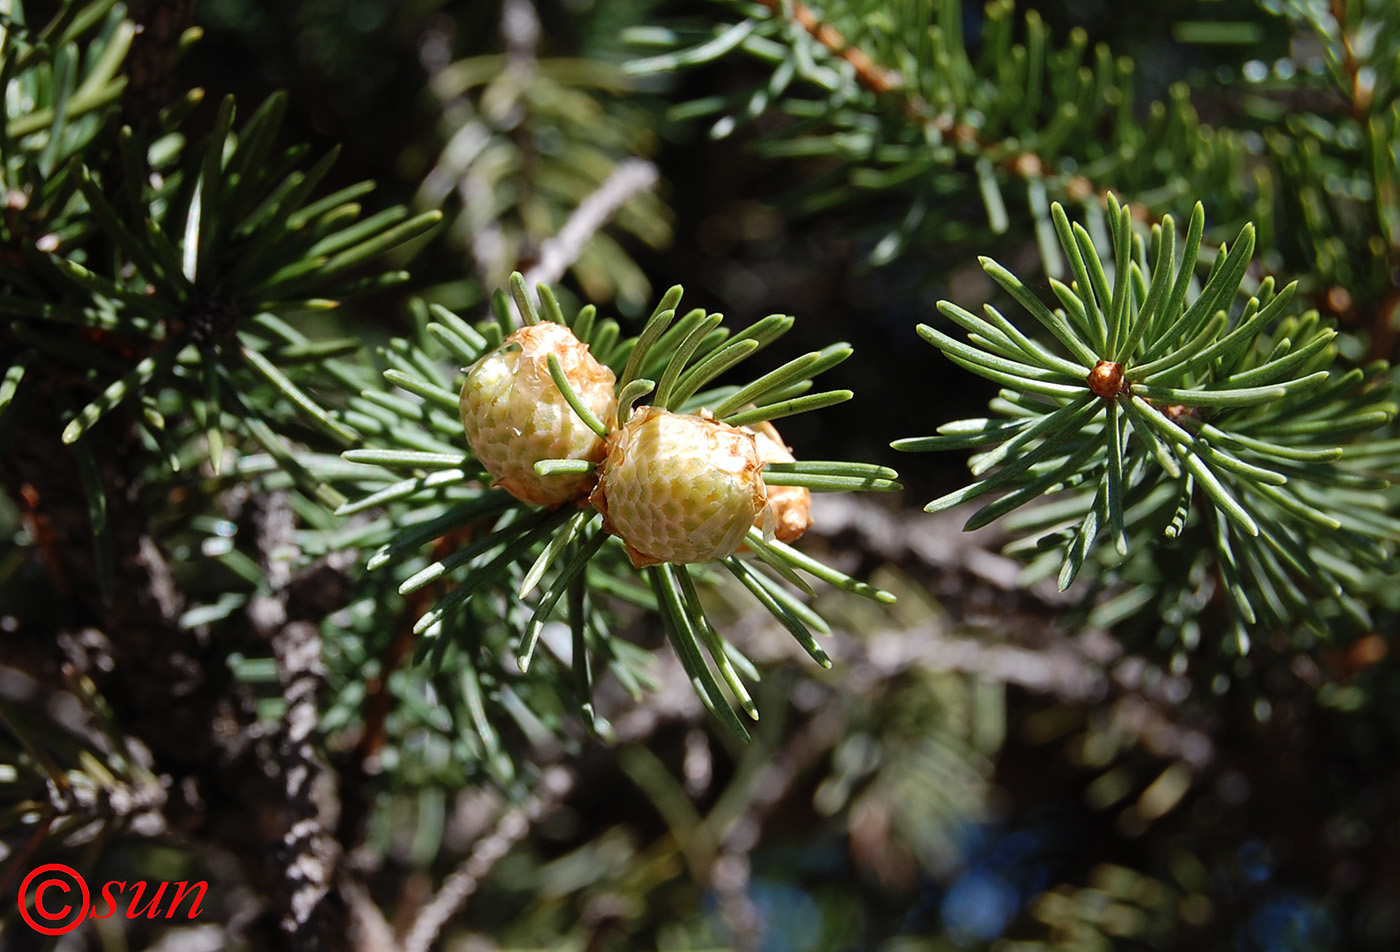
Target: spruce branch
pixel 873 77
pixel 1179 405
pixel 911 107
pixel 60 83
pixel 526 537
pixel 942 114
pixel 190 272
pixel 185 722
pixel 1343 217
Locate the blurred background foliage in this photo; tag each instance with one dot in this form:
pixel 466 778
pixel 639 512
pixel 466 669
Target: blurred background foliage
pixel 978 771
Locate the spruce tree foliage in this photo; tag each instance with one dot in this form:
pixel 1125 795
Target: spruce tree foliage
pixel 1153 400
pixel 1163 390
pixel 260 601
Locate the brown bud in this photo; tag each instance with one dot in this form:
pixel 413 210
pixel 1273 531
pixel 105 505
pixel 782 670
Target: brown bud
pixel 1106 379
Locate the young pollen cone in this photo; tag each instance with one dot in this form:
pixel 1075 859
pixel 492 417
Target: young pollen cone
pixel 514 415
pixel 789 506
pixel 679 487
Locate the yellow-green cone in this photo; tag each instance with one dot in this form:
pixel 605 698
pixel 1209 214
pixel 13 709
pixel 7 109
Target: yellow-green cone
pixel 679 487
pixel 514 415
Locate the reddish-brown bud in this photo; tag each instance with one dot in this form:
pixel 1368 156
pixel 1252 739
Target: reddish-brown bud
pixel 1106 379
